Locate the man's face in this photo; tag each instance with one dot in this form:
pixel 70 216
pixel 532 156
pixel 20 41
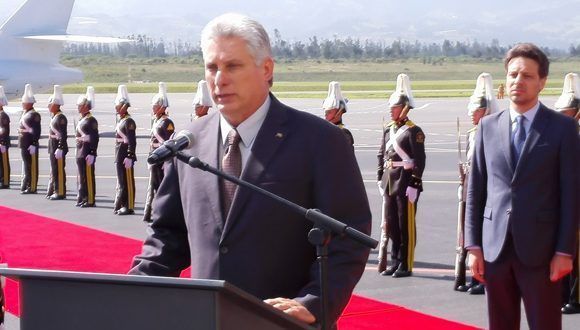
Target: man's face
pixel 395 112
pixel 157 109
pixel 53 108
pixel 27 106
pixel 333 115
pixel 201 110
pixel 477 115
pixel 83 108
pixel 237 85
pixel 121 109
pixel 523 82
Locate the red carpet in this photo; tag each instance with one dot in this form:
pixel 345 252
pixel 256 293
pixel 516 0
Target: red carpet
pixel 33 241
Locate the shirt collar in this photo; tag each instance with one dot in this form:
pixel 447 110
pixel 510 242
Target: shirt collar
pixel 529 115
pixel 249 128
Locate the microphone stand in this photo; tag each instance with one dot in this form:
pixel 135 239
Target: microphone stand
pixel 320 235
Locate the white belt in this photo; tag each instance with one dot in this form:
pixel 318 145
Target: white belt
pixel 53 136
pixel 407 164
pixel 122 140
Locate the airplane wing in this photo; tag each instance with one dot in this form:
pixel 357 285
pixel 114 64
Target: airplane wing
pixel 78 38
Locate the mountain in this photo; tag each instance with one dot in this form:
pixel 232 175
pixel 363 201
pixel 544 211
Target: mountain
pixel 547 23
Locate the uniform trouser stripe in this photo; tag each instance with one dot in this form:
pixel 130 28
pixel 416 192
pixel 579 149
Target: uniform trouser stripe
pixel 411 231
pixel 61 177
pixel 130 186
pixel 5 169
pixel 34 172
pixel 90 182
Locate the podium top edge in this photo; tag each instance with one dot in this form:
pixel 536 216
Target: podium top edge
pixel 21 273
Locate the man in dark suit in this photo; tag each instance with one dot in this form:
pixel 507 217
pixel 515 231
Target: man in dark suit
pixel 233 234
pixel 522 201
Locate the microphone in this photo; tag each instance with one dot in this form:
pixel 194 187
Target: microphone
pixel 169 148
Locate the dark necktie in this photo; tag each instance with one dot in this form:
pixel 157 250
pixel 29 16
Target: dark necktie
pixel 232 165
pixel 519 138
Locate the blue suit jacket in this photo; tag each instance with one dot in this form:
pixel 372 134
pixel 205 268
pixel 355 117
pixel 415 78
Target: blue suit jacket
pixel 263 247
pixel 537 200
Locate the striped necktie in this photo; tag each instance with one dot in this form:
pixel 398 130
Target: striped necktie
pixel 232 165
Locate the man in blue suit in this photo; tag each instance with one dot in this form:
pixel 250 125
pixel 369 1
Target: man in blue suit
pixel 230 233
pixel 522 203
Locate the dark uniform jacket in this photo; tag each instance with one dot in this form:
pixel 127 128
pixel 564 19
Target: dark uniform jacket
pixel 58 133
pixel 346 132
pixel 162 128
pixel 4 129
pixel 126 139
pixel 412 141
pixel 29 119
pixel 88 126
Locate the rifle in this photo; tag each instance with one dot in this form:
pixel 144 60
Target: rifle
pixel 461 254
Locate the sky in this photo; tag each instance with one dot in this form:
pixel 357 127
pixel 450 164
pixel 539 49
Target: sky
pixel 553 23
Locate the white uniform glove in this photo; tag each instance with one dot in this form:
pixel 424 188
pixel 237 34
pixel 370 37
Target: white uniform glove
pixel 58 153
pixel 2 149
pixel 460 192
pixel 32 150
pixel 128 162
pixel 381 188
pixel 90 159
pixel 411 194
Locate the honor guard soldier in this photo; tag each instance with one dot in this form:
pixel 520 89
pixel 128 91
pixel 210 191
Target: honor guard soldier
pixel 57 146
pixel 569 105
pixel 162 130
pixel 202 100
pixel 87 138
pixel 334 107
pixel 4 142
pixel 401 161
pixel 481 103
pixel 125 155
pixel 29 134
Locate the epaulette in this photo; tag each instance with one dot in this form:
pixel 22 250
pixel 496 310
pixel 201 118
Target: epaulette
pixel 410 123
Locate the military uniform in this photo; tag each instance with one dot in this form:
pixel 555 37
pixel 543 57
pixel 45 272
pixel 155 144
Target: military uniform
pixel 87 137
pixel 401 161
pixel 57 140
pixel 125 148
pixel 29 134
pixel 460 272
pixel 346 132
pixel 4 156
pixel 162 130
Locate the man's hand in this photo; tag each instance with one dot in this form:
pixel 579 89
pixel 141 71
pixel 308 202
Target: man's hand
pixel 128 163
pixel 58 153
pixel 381 188
pixel 476 264
pixel 3 149
pixel 32 150
pixel 292 308
pixel 560 266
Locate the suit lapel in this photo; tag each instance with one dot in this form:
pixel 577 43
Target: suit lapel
pixel 536 130
pixel 504 128
pixel 208 153
pixel 270 136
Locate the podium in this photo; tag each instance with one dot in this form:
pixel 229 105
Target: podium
pixel 72 300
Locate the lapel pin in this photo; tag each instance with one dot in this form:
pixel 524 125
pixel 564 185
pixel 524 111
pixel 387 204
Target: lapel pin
pixel 279 135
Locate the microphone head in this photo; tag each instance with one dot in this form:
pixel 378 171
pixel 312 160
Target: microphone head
pixel 186 134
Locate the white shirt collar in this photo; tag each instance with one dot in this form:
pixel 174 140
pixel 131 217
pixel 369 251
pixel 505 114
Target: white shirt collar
pixel 249 128
pixel 529 115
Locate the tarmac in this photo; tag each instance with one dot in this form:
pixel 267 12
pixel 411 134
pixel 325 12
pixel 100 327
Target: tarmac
pixel 429 290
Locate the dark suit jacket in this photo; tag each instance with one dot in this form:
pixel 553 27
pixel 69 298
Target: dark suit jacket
pixel 263 246
pixel 538 200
